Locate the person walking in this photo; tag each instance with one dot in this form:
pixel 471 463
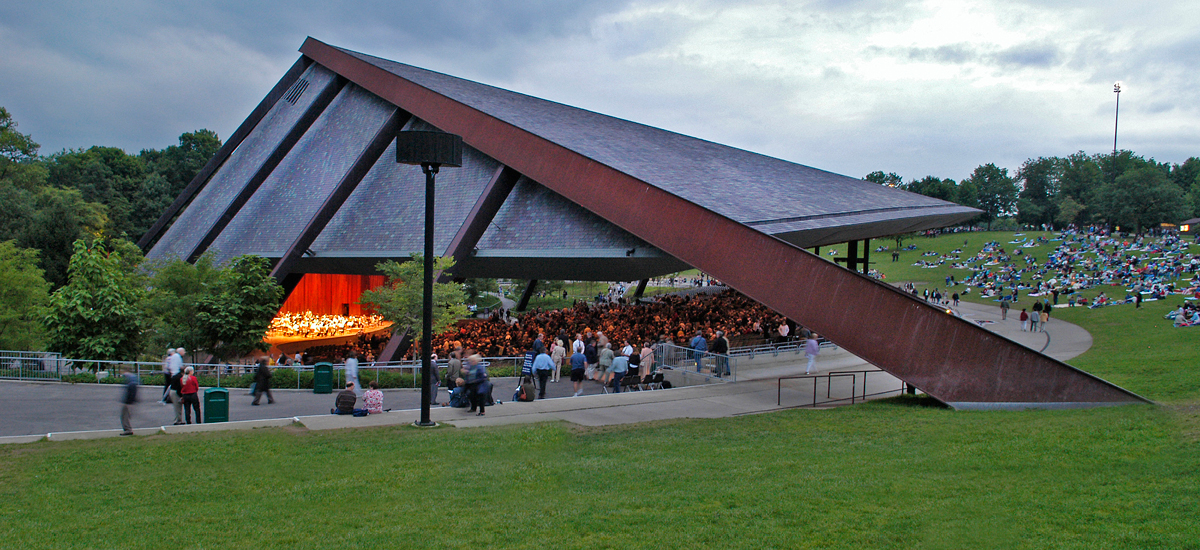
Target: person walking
pixel 262 382
pixel 167 364
pixel 578 370
pixel 1003 309
pixel 1024 321
pixel 646 359
pixel 478 385
pixel 620 366
pixel 543 366
pixel 352 371
pixel 720 347
pixel 128 399
pixel 812 349
pixel 605 363
pixel 558 355
pixel 176 380
pixel 189 388
pixel 699 345
pixel 1045 319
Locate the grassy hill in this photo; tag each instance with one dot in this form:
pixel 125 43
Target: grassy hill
pixel 893 474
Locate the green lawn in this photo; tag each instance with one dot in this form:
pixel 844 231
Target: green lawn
pixel 892 474
pixel 872 476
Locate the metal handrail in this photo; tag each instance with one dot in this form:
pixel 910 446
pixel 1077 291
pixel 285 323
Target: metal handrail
pixel 829 376
pixel 684 358
pixel 29 365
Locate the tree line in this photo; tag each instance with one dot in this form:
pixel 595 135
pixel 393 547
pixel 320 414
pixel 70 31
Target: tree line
pixel 1116 190
pixel 52 201
pixel 71 279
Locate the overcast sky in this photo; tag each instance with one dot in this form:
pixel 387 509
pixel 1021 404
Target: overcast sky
pixel 919 88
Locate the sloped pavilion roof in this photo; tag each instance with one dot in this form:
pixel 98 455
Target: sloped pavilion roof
pixel 548 191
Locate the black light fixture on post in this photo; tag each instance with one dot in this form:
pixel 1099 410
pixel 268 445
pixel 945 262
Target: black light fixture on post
pixel 431 150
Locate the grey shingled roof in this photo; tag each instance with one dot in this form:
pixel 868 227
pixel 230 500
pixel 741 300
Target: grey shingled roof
pixel 742 185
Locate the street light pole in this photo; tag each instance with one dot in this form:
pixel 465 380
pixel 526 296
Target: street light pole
pixel 427 308
pixel 431 150
pixel 1116 117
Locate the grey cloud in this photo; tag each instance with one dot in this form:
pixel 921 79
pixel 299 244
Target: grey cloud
pixel 951 53
pixel 1029 55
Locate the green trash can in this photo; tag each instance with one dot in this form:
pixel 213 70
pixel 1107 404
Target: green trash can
pixel 323 378
pixel 216 405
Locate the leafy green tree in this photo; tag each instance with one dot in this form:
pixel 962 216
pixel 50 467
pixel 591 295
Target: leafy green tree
pixel 1069 211
pixel 891 179
pixel 173 303
pixel 967 194
pixel 234 316
pixel 932 186
pixel 1037 201
pixel 23 295
pixel 15 148
pixel 178 164
pixel 474 289
pixel 997 193
pixel 1187 177
pixel 1187 174
pixel 1141 198
pixel 105 175
pixel 401 299
pixel 58 218
pixel 97 315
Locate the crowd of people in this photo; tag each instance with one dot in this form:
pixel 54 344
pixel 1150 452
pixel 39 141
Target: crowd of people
pixel 1076 260
pixel 314 325
pixel 668 318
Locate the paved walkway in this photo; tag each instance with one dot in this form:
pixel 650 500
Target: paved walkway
pixel 31 410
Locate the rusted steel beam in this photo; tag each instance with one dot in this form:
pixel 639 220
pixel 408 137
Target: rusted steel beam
pixel 952 360
pixel 223 153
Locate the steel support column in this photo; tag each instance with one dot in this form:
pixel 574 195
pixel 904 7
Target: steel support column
pixel 525 296
pixel 866 256
pixel 641 289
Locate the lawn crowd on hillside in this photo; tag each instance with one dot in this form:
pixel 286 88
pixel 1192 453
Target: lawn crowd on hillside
pixel 1141 268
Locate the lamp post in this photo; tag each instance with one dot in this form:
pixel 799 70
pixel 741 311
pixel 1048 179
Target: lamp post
pixel 1116 117
pixel 431 150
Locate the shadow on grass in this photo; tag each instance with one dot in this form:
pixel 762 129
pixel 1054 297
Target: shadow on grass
pixel 910 401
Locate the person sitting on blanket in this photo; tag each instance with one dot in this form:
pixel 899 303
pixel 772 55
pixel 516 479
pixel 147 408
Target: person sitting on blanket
pixel 344 404
pixel 373 399
pixel 458 395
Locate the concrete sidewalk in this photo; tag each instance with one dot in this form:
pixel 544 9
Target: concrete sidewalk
pixel 31 410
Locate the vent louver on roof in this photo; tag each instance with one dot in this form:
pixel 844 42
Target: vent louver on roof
pixel 296 91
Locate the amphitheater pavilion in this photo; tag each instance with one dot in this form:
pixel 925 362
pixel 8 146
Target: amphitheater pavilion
pixel 549 191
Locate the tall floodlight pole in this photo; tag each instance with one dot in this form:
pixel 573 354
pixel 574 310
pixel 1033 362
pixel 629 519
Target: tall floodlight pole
pixel 431 150
pixel 1116 117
